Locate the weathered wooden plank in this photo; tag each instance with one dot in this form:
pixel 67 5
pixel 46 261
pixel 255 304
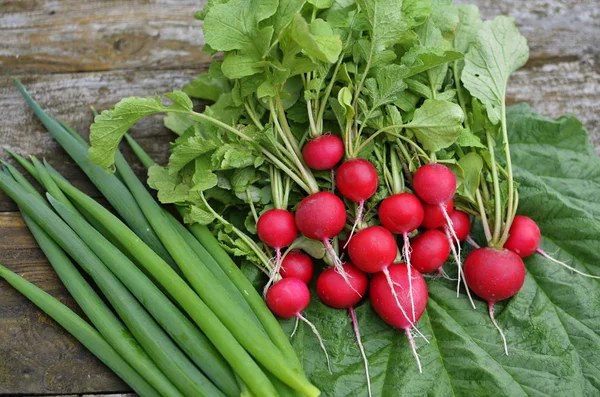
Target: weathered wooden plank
pixel 76 35
pixel 67 96
pixel 557 30
pixel 36 355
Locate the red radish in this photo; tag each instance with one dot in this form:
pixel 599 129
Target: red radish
pixel 287 298
pixel 297 264
pixel 433 216
pixel 322 216
pixel 323 152
pixel 390 299
pixel 356 179
pixel 335 292
pixel 373 249
pixel 402 213
pixel 524 236
pixel 462 224
pixel 494 275
pixel 276 228
pixel 429 251
pixel 524 239
pixel 434 183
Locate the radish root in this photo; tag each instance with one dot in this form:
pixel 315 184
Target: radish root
pixel 295 328
pixel 391 284
pixel 460 270
pixel 472 242
pixel 491 312
pixel 413 347
pixel 406 254
pixel 274 272
pixel 545 255
pixel 318 335
pixel 337 265
pixel 359 213
pixel 361 347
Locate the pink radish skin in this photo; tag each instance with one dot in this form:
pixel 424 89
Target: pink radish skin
pixel 462 224
pixel 494 275
pixel 524 240
pixel 524 236
pixel 335 292
pixel 401 213
pixel 277 228
pixel 433 216
pixel 372 249
pixel 298 265
pixel 392 304
pixel 434 183
pixel 321 216
pixel 356 179
pixel 324 152
pixel 288 298
pixel 429 251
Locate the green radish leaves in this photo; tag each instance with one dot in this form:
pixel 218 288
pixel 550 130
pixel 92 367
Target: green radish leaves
pixel 437 124
pixel 111 125
pixel 498 50
pixel 551 325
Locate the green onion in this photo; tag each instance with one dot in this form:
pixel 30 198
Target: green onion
pixel 211 244
pixel 49 184
pixel 109 185
pixel 82 331
pixel 187 336
pixel 246 368
pixel 212 293
pixel 157 344
pixel 92 305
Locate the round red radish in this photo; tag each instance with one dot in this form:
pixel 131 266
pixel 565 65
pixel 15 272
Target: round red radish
pixel 334 291
pixel 356 179
pixel 323 152
pixel 288 297
pixel 494 274
pixel 433 216
pixel 321 216
pixel 401 213
pixel 434 183
pixel 372 249
pixel 277 228
pixel 383 300
pixel 298 265
pixel 523 237
pixel 429 251
pixel 461 223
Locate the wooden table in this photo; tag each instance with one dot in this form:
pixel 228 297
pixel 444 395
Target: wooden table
pixel 73 53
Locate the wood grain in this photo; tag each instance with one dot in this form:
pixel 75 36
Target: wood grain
pixel 36 354
pixel 89 35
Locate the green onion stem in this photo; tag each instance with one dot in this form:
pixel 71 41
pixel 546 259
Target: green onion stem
pixel 83 332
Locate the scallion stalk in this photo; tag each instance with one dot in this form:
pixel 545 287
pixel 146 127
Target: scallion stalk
pixel 82 331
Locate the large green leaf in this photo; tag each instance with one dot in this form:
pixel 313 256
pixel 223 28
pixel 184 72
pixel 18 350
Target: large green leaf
pixel 552 324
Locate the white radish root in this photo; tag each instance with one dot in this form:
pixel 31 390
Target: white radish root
pixel 491 312
pixel 318 335
pixel 406 254
pixel 361 347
